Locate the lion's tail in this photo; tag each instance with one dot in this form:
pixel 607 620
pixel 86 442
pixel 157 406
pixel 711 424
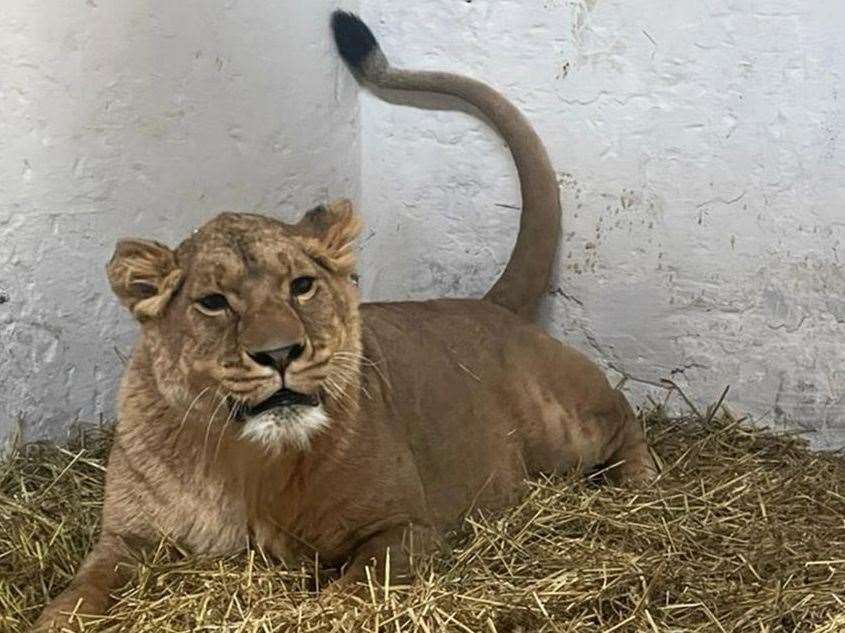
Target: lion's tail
pixel 526 275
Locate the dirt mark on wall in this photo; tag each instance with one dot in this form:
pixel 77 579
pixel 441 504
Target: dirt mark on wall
pixel 629 217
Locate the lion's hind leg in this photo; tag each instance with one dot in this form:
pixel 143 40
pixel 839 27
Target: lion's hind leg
pixel 630 460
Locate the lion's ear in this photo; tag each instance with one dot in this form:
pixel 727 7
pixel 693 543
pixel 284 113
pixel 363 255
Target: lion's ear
pixel 330 232
pixel 144 275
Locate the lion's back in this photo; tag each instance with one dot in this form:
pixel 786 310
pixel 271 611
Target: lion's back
pixel 480 396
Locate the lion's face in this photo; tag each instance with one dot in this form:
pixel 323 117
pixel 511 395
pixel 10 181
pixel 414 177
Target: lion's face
pixel 250 319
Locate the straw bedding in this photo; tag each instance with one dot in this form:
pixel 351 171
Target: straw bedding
pixel 744 532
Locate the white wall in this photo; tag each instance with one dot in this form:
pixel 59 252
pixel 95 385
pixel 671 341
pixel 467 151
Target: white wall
pixel 697 143
pixel 131 118
pixel 699 151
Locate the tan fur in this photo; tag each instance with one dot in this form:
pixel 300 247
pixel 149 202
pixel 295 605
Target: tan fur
pixel 439 407
pixel 435 408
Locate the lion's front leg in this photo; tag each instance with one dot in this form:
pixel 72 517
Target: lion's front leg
pixel 389 555
pixel 106 568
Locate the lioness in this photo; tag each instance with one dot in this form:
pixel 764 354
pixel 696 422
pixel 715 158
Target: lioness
pixel 263 403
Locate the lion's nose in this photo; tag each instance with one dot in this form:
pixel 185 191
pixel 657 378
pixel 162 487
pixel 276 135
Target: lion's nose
pixel 279 357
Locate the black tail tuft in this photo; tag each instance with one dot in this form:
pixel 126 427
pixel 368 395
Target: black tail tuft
pixel 354 39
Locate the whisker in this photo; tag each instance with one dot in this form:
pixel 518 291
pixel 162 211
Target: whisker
pixel 210 422
pixel 338 396
pixel 359 356
pixel 185 417
pixel 229 418
pixel 347 374
pixel 336 391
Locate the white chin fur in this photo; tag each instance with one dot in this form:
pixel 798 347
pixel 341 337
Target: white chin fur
pixel 286 427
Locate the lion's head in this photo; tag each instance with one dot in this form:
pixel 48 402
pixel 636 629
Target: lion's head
pixel 250 318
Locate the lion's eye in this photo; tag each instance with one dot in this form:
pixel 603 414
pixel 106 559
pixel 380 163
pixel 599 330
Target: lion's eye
pixel 301 286
pixel 213 303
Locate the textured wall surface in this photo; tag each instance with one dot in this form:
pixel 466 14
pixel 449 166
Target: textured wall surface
pixel 126 118
pixel 701 165
pixel 698 147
